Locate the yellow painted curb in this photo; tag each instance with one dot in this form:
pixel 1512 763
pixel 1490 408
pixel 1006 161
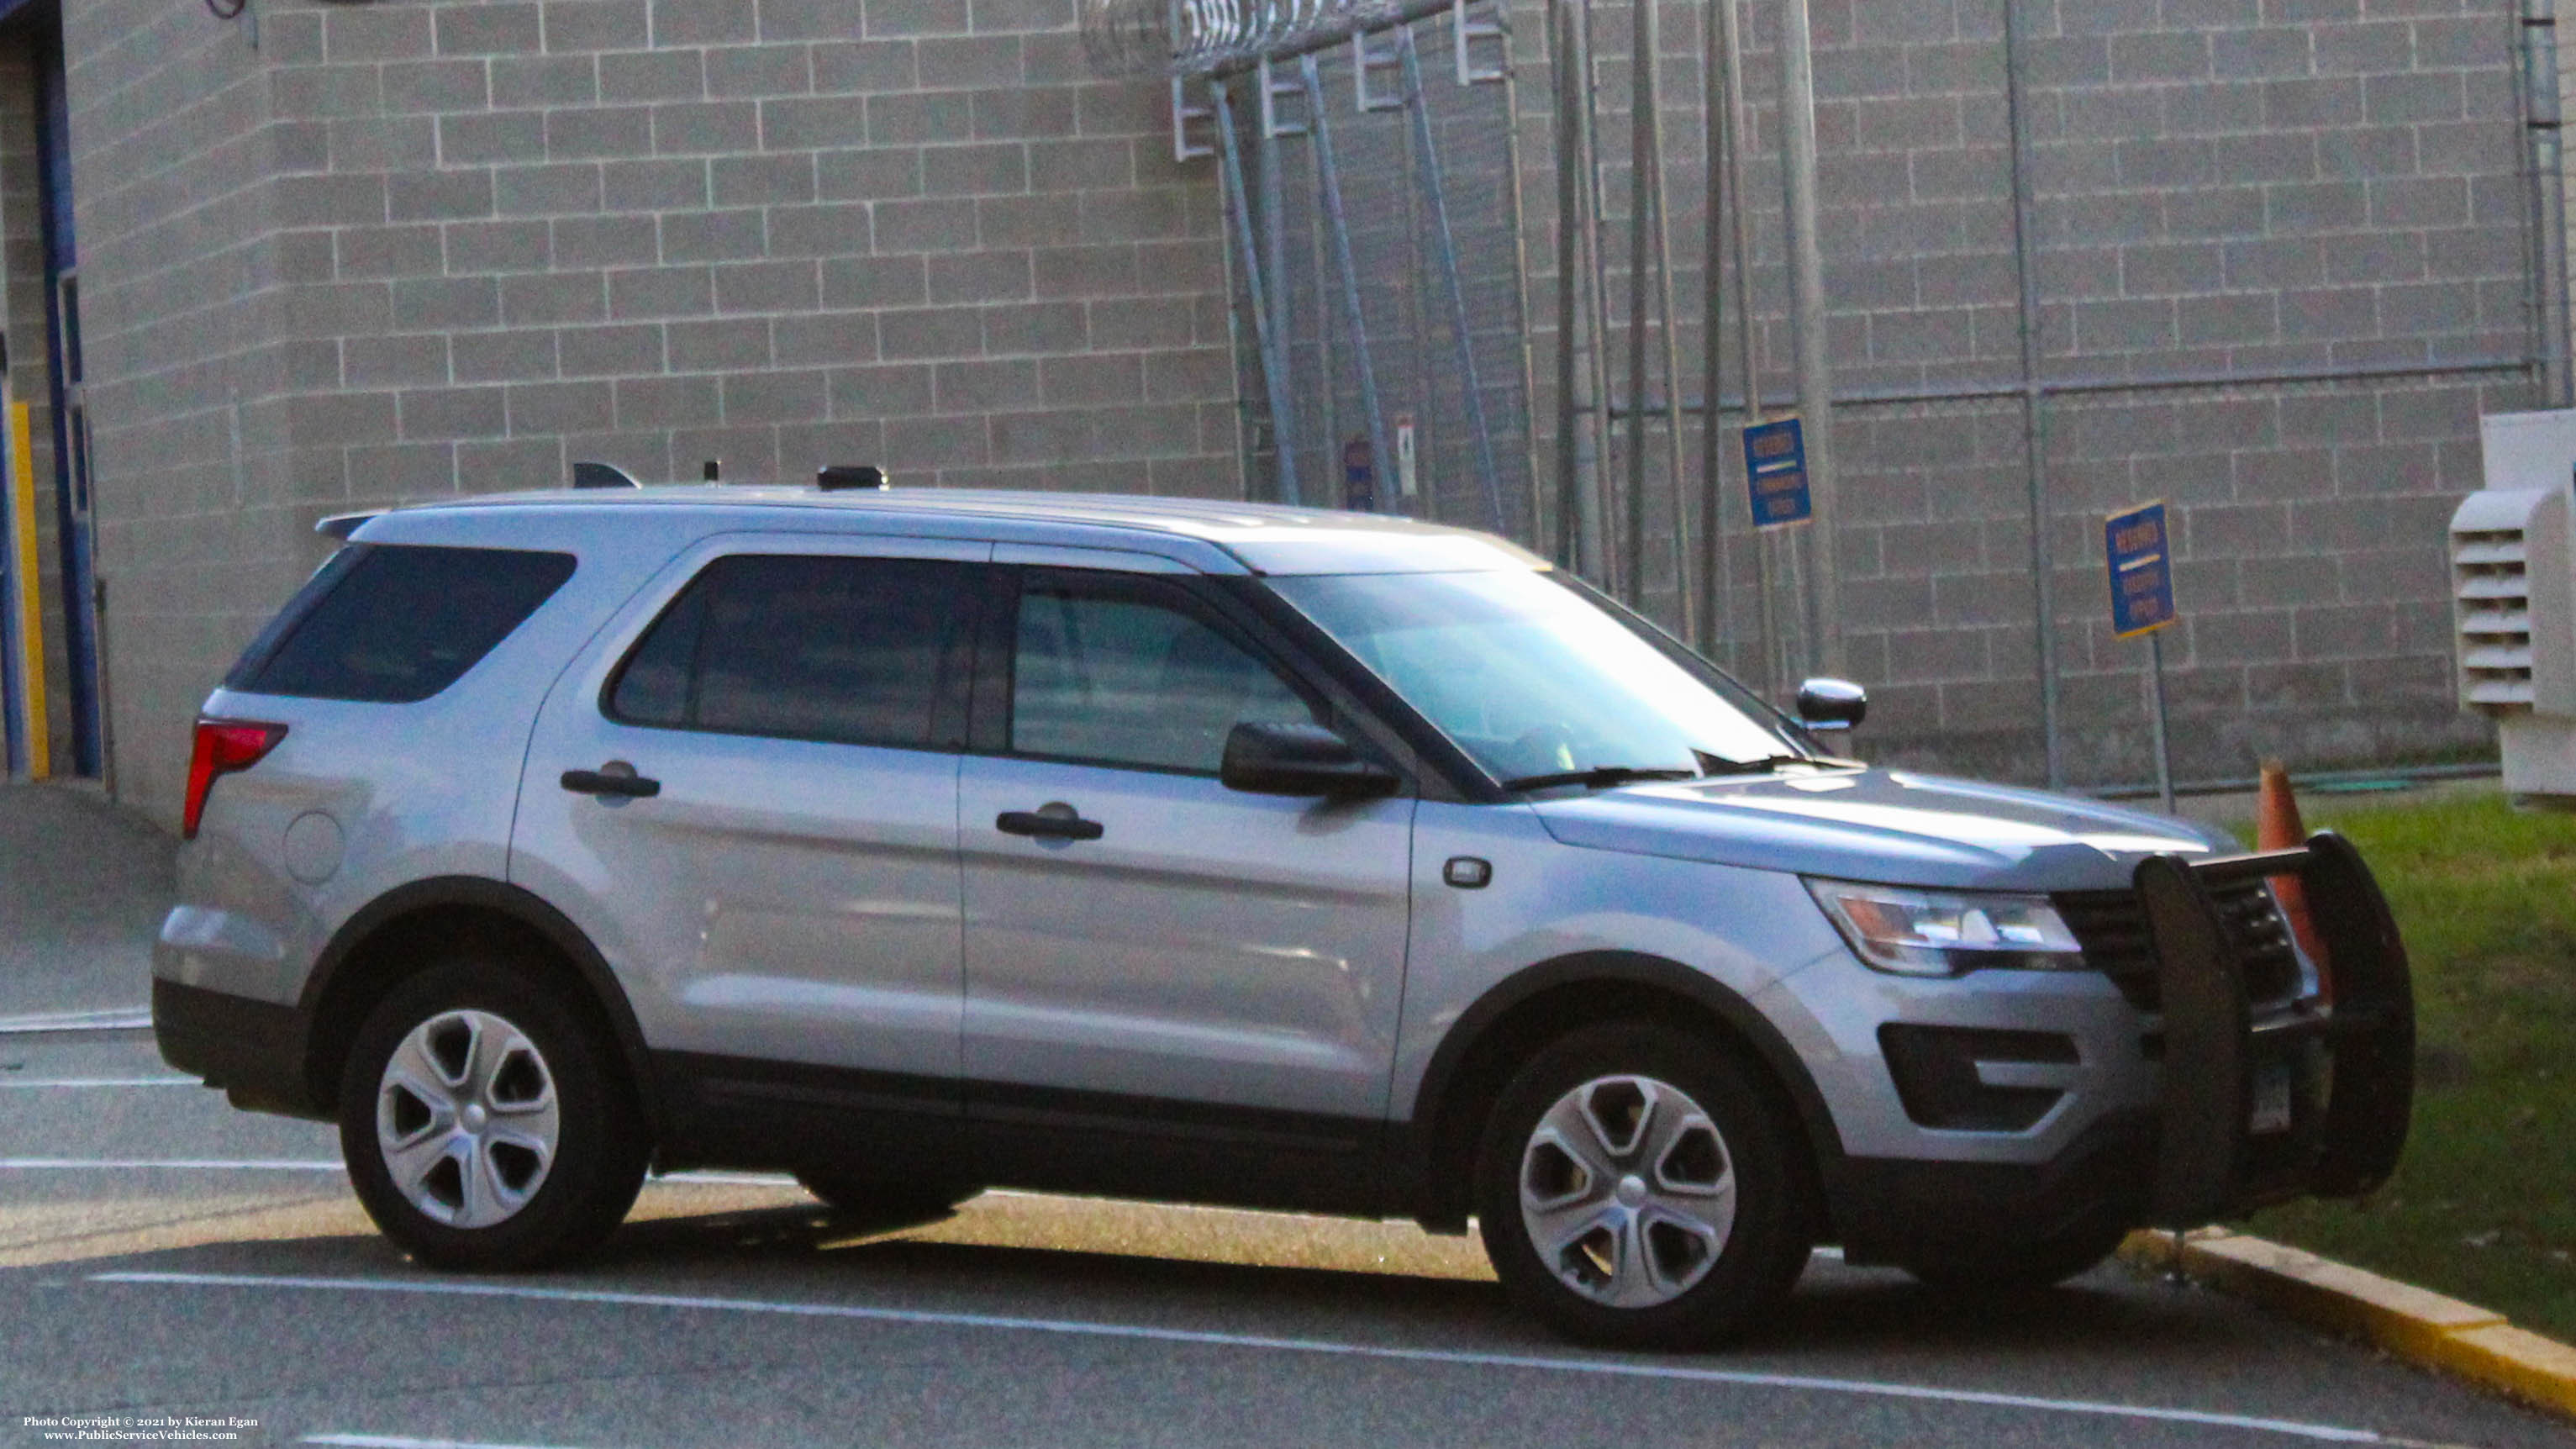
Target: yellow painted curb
pixel 2414 1323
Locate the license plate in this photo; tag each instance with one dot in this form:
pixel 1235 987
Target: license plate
pixel 2271 1110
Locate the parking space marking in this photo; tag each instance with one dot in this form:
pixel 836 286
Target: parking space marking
pixel 1608 1368
pixel 102 1082
pixel 408 1442
pixel 176 1164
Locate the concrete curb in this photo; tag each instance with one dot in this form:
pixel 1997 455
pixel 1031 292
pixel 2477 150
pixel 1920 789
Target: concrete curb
pixel 2416 1324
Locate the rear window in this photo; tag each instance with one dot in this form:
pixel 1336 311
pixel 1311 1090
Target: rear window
pixel 397 623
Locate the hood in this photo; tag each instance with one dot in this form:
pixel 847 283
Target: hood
pixel 1892 827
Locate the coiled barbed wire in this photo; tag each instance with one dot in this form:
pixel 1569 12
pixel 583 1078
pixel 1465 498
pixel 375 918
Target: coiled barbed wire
pixel 1182 37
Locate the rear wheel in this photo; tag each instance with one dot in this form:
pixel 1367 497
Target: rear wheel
pixel 1636 1187
pixel 485 1123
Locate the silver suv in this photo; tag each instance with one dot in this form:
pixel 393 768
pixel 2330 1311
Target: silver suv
pixel 917 842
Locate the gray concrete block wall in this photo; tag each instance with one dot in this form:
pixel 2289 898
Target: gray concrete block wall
pixel 493 237
pixel 2246 189
pixel 174 162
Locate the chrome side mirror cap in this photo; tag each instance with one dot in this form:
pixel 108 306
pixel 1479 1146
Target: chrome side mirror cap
pixel 1832 704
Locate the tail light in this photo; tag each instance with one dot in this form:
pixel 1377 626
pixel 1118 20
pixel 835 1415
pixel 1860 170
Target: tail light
pixel 223 746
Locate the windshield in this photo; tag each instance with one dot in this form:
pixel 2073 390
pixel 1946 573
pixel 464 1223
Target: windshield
pixel 1533 680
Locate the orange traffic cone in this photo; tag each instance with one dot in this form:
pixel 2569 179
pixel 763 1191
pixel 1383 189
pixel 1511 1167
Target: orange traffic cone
pixel 2277 827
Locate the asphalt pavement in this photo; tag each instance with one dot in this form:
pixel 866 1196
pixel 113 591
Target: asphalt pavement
pixel 162 1255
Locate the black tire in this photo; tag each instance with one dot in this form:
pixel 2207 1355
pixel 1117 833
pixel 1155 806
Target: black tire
pixel 1763 1249
pixel 883 1201
pixel 575 1195
pixel 2002 1270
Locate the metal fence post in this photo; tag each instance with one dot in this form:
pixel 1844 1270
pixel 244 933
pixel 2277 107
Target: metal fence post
pixel 1435 197
pixel 2034 394
pixel 1270 341
pixel 1270 299
pixel 1807 283
pixel 1328 180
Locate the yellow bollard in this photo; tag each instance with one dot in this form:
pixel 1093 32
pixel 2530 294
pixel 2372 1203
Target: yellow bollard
pixel 30 600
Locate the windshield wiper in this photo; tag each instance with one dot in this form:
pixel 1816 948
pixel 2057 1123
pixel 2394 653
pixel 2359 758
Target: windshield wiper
pixel 1599 777
pixel 1714 765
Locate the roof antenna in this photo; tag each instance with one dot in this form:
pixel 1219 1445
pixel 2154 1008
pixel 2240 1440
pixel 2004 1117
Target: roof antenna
pixel 714 471
pixel 842 477
pixel 601 475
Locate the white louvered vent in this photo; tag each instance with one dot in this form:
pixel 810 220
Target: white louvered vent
pixel 2491 582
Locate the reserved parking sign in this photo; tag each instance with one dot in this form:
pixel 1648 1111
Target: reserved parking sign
pixel 1775 465
pixel 2141 567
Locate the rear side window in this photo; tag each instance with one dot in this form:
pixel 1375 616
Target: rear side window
pixel 849 650
pixel 397 623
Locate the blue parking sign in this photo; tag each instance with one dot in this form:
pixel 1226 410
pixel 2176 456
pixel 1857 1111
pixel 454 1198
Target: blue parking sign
pixel 1775 467
pixel 2135 547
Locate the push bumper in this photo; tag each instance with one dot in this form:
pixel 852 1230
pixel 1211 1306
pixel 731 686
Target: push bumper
pixel 2299 1102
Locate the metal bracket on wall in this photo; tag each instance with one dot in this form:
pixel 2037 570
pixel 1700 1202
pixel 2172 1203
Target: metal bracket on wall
pixel 1465 29
pixel 1274 121
pixel 1184 116
pixel 1364 60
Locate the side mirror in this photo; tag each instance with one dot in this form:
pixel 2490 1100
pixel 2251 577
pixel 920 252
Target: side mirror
pixel 1300 759
pixel 1832 704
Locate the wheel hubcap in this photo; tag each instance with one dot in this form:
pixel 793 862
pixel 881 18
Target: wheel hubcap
pixel 1627 1191
pixel 466 1119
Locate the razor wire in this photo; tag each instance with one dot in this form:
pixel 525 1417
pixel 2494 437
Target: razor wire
pixel 1196 36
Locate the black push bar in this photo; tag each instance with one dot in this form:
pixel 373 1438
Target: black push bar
pixel 2350 1065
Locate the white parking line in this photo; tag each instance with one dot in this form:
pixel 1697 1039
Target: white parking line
pixel 150 1164
pixel 101 1082
pixel 1611 1368
pixel 399 1441
pixel 123 1018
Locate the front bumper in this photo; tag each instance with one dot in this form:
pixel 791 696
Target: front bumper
pixel 2244 1110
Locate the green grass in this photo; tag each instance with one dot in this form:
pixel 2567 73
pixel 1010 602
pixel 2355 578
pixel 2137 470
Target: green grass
pixel 2484 1205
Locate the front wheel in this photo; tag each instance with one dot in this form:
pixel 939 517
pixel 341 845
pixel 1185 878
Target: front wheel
pixel 1637 1187
pixel 485 1123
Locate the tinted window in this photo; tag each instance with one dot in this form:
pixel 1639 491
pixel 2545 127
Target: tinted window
pixel 1122 678
pixel 846 649
pixel 397 623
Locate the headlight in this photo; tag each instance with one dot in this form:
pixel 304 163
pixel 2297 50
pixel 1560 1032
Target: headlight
pixel 1945 933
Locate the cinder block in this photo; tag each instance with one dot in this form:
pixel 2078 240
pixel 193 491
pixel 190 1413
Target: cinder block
pixel 735 342
pixel 448 413
pixel 653 292
pixel 546 190
pixel 545 80
pixel 772 396
pixel 669 185
pixel 593 133
pixel 557 408
pixel 591 26
pixel 704 22
pixel 434 86
pixel 508 356
pixel 759 70
pixel 824 339
pixel 669 402
pixel 875 281
pixel 496 27
pixel 713 236
pixel 653 75
pixel 486 137
pixel 624 350
pixel 762 180
pixel 776 286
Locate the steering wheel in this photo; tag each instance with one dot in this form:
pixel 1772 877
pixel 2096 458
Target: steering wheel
pixel 1544 749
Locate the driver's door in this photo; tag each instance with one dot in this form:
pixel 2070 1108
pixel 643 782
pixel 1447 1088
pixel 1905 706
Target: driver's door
pixel 1189 974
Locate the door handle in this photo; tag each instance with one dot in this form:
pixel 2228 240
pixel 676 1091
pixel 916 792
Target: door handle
pixel 615 778
pixel 1055 822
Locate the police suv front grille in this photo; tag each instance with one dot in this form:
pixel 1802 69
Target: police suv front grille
pixel 2112 928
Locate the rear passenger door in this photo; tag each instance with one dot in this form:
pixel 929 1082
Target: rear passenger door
pixel 750 786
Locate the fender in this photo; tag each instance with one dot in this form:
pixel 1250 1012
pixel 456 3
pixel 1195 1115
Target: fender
pixel 524 907
pixel 1420 1140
